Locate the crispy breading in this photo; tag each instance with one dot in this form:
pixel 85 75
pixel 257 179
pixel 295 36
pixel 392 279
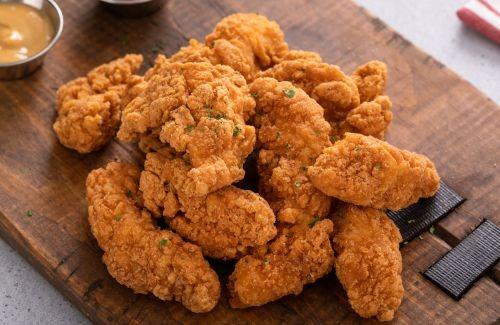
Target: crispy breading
pixel 248 43
pixel 369 172
pixel 324 82
pixel 137 254
pixel 291 132
pixel 292 262
pixel 299 54
pixel 198 109
pixel 89 108
pixel 369 118
pixel 368 261
pixel 370 78
pixel 227 223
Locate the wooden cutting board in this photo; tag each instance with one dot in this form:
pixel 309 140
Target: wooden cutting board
pixel 436 113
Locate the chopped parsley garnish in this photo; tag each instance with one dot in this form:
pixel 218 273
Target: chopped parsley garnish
pixel 220 116
pixel 254 95
pixel 313 221
pixel 289 92
pixel 118 217
pixel 265 261
pixel 29 213
pixel 236 131
pixel 432 230
pixel 189 128
pixel 186 160
pixel 297 184
pixel 163 242
pixel 334 138
pixel 129 193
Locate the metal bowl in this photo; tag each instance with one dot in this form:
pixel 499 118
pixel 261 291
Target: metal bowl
pixel 22 68
pixel 133 8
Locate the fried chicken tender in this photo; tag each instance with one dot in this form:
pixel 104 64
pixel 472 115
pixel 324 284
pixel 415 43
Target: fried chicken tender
pixel 293 261
pixel 368 262
pixel 198 109
pixel 292 132
pixel 370 78
pixel 89 108
pixel 324 82
pixel 227 223
pixel 248 43
pixel 369 172
pixel 136 253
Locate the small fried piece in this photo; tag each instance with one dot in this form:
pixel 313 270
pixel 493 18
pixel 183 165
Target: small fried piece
pixel 198 109
pixel 369 118
pixel 89 108
pixel 248 43
pixel 369 172
pixel 324 82
pixel 370 78
pixel 227 223
pixel 368 262
pixel 294 260
pixel 136 253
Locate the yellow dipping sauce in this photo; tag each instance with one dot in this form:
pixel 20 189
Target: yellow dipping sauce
pixel 24 31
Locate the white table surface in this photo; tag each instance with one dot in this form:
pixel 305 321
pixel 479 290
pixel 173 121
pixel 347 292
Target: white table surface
pixel 27 298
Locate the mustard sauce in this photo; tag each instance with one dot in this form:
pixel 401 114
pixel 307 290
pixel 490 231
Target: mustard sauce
pixel 24 31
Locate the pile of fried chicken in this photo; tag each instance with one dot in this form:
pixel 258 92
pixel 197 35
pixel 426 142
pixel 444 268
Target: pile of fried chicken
pixel 325 175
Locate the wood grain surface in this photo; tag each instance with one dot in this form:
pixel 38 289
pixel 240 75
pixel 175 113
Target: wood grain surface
pixel 436 113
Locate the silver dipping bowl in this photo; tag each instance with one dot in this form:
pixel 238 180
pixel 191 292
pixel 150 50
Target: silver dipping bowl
pixel 133 8
pixel 22 68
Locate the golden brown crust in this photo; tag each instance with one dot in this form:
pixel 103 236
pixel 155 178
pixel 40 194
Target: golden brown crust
pixel 369 172
pixel 139 255
pixel 370 78
pixel 198 109
pixel 368 262
pixel 293 261
pixel 89 108
pixel 248 43
pixel 227 223
pixel 324 82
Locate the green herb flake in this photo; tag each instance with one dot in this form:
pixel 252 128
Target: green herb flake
pixel 29 213
pixel 297 184
pixel 254 95
pixel 278 135
pixel 334 138
pixel 164 242
pixel 289 92
pixel 118 217
pixel 313 221
pixel 265 261
pixel 129 193
pixel 236 131
pixel 189 128
pixel 432 230
pixel 411 221
pixel 186 160
pixel 303 168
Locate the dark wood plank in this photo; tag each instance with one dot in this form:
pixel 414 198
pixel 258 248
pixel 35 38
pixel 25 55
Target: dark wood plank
pixel 436 113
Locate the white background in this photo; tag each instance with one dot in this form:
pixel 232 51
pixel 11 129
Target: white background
pixel 27 298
